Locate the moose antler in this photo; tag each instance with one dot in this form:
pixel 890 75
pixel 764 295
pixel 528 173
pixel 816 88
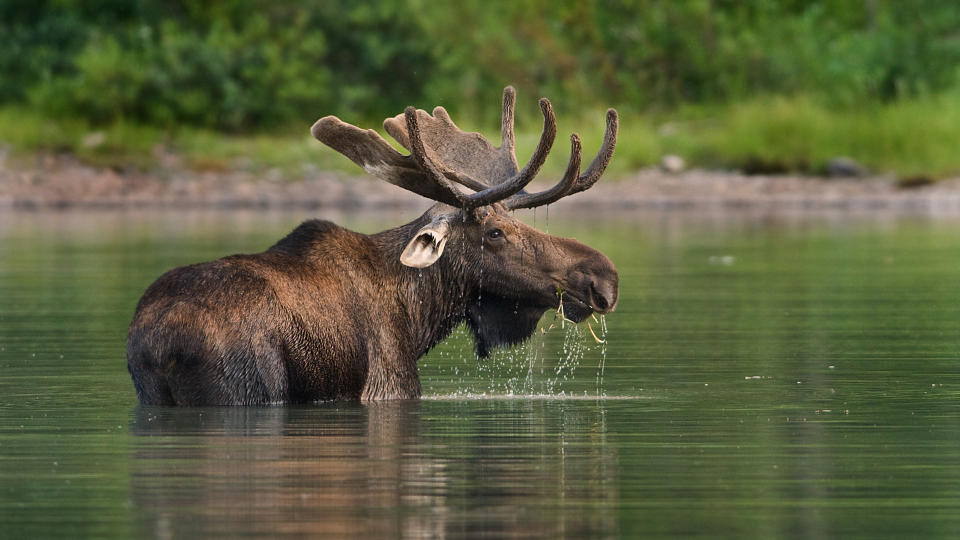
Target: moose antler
pixel 366 148
pixel 572 182
pixel 442 156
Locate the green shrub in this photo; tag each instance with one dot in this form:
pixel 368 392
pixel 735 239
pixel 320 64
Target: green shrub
pixel 256 64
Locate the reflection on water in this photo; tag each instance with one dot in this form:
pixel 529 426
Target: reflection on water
pixel 383 470
pixel 764 375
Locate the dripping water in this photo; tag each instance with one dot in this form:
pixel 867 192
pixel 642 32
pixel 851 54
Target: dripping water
pixel 480 272
pixel 420 284
pixel 603 355
pixel 569 360
pixel 545 366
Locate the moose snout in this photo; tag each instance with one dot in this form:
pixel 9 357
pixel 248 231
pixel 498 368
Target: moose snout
pixel 603 289
pixel 603 295
pixel 597 284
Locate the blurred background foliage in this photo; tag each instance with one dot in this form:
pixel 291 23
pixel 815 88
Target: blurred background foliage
pixel 258 65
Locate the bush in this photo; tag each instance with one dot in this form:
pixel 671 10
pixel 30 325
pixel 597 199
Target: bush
pixel 252 64
pixel 249 64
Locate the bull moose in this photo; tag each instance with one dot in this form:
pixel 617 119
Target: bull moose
pixel 331 314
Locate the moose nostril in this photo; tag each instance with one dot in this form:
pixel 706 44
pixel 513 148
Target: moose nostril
pixel 600 302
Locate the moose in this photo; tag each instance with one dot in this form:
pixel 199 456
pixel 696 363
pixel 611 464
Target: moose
pixel 331 314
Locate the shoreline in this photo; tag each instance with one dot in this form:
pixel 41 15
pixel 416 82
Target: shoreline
pixel 61 182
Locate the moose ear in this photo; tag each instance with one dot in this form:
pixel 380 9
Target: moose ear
pixel 426 246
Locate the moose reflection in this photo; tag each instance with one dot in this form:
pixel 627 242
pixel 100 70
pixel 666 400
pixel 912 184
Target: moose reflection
pixel 328 314
pixel 394 469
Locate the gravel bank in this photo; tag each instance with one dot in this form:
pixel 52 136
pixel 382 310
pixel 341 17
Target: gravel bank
pixel 61 182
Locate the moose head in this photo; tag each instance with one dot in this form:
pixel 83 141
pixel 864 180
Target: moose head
pixel 328 313
pixel 519 271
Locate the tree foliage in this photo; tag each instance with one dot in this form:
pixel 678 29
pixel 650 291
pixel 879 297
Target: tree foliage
pixel 251 64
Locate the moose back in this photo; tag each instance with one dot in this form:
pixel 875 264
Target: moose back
pixel 328 314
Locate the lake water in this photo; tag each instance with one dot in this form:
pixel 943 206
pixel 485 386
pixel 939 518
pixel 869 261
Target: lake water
pixel 763 376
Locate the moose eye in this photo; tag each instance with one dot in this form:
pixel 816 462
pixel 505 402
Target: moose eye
pixel 495 234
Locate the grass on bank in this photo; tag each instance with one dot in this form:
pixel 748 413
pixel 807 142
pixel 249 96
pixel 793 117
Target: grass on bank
pixel 777 134
pixel 125 146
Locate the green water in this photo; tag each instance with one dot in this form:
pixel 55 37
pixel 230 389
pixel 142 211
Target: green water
pixel 763 377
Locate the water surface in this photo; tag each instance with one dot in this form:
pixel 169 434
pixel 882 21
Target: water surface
pixel 763 376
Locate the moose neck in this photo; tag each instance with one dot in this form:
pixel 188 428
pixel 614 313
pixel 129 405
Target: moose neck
pixel 432 299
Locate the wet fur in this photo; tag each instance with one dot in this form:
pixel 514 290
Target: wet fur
pixel 325 314
pixel 498 322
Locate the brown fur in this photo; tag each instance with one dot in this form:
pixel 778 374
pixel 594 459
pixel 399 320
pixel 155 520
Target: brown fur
pixel 330 314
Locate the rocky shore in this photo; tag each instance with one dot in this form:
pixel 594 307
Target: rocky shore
pixel 52 182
